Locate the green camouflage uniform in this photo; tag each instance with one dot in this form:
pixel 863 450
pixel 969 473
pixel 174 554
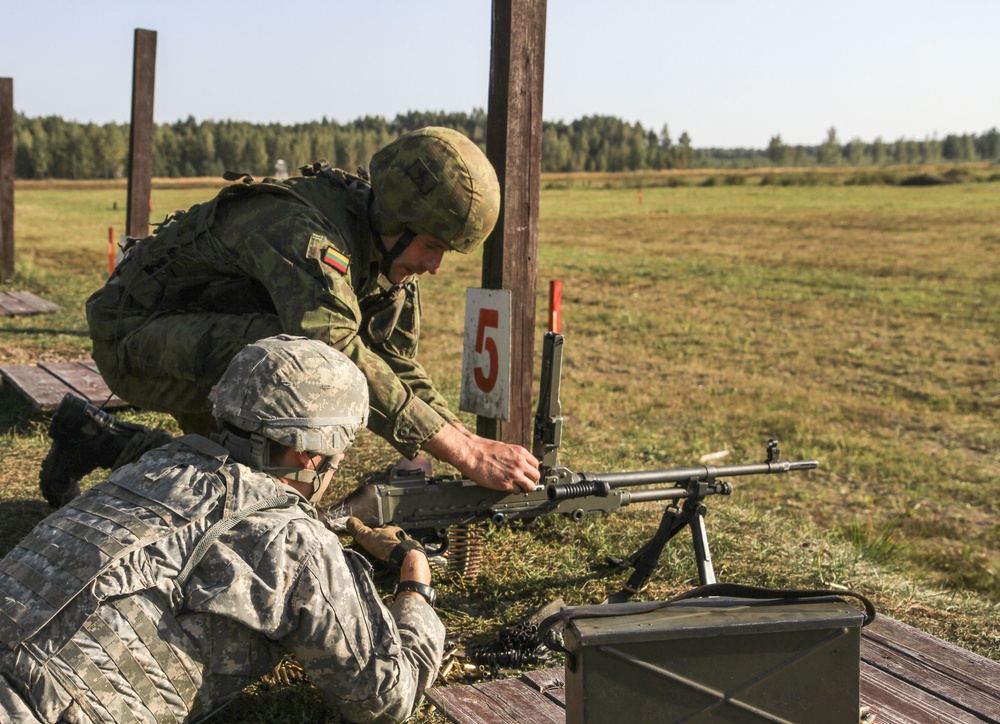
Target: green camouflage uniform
pixel 134 602
pixel 297 257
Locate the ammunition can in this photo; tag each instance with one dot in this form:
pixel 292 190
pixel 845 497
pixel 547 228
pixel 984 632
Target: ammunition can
pixel 716 660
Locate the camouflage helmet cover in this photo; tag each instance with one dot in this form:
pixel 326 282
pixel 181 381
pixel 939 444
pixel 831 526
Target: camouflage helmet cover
pixel 435 181
pixel 299 392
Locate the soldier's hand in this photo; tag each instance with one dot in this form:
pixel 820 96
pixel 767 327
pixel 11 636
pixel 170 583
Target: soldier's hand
pixel 511 466
pixel 501 466
pixel 491 464
pixel 389 544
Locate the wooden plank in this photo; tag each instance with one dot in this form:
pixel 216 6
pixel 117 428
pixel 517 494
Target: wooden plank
pixel 45 384
pixel 970 668
pixel 896 702
pixel 509 701
pixel 23 303
pixel 13 304
pixel 89 364
pixel 548 682
pixel 42 305
pixel 942 685
pixel 85 381
pixel 42 389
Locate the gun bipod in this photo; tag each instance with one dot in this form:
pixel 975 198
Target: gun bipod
pixel 691 514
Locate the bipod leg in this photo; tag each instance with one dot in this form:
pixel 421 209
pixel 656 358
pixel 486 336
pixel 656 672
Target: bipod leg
pixel 702 556
pixel 647 557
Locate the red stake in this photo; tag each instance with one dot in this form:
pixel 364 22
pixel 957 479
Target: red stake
pixel 555 305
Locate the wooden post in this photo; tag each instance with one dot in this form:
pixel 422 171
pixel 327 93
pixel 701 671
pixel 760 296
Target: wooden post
pixel 6 179
pixel 140 166
pixel 514 146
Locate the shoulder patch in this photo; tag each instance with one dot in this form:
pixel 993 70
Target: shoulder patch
pixel 321 249
pixel 336 259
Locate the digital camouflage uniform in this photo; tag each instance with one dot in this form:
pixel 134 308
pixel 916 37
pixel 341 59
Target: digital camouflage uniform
pixel 119 607
pixel 297 256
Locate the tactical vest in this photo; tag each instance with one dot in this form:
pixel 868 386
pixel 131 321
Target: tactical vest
pixel 61 561
pixel 153 276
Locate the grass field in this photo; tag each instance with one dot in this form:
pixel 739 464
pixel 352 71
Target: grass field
pixel 858 324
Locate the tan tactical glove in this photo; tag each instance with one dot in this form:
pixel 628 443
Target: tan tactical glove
pixel 389 544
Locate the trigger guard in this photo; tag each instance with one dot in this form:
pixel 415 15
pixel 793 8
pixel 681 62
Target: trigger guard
pixel 434 543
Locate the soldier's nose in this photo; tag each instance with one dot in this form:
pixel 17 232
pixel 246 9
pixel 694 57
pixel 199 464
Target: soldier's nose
pixel 433 262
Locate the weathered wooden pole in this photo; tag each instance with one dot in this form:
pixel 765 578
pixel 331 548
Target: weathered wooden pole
pixel 6 179
pixel 140 165
pixel 514 146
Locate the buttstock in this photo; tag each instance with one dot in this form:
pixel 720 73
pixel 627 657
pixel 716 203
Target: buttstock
pixel 362 503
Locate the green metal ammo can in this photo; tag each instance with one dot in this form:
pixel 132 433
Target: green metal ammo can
pixel 727 660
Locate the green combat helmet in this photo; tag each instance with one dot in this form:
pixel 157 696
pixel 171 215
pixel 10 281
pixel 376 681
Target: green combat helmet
pixel 435 181
pixel 297 392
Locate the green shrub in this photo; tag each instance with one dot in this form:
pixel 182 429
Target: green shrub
pixel 958 175
pixel 922 179
pixel 872 178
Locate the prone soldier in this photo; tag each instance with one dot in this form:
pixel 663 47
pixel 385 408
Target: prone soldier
pixel 163 591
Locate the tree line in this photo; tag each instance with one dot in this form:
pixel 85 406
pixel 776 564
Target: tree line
pixel 51 147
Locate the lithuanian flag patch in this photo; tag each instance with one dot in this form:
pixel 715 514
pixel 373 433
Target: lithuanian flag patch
pixel 336 259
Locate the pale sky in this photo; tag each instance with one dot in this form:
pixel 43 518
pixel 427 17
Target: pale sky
pixel 729 72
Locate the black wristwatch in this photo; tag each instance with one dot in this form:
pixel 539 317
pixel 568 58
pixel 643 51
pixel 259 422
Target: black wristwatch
pixel 422 588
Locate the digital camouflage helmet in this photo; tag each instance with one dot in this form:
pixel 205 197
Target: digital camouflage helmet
pixel 435 181
pixel 297 392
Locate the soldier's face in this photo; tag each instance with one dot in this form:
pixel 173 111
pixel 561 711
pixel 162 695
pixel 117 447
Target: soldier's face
pixel 329 467
pixel 424 254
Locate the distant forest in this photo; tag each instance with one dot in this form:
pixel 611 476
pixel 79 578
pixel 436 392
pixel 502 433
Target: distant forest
pixel 50 147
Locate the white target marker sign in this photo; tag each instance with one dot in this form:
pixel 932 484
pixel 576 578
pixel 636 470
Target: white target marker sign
pixel 486 359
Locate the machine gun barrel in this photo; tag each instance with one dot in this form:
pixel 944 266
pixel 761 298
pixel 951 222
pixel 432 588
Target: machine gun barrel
pixel 602 483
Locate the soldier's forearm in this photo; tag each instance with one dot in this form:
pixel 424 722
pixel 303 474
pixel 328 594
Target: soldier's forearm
pixel 415 568
pixel 449 445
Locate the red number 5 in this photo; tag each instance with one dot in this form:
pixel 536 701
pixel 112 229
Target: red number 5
pixel 488 318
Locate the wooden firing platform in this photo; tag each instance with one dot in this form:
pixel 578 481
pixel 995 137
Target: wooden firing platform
pixel 907 677
pixel 18 303
pixel 46 383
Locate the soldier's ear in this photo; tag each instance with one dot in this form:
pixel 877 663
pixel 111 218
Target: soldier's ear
pixel 287 457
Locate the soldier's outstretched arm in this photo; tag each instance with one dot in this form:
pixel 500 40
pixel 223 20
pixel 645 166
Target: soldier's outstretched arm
pixel 491 464
pixel 371 664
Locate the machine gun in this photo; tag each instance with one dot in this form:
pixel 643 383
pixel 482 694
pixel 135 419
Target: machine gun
pixel 426 507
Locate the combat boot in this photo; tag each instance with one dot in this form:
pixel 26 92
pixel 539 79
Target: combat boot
pixel 84 437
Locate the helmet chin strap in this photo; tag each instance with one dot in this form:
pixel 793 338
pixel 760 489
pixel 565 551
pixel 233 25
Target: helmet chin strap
pixel 252 449
pixel 300 475
pixel 390 255
pixel 313 478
